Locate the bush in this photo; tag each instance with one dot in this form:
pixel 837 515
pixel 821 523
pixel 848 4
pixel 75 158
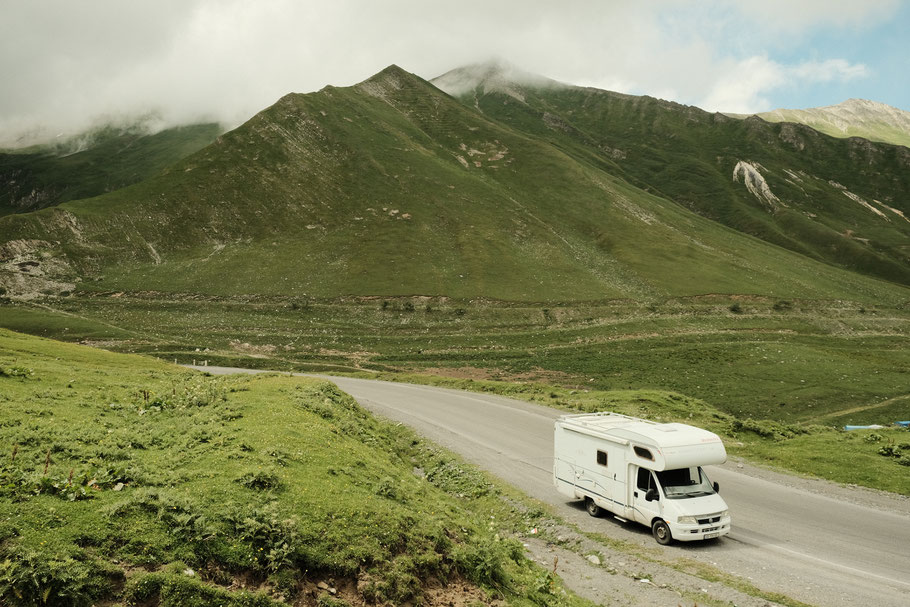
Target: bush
pixel 260 480
pixel 62 576
pixel 484 561
pixel 783 305
pixel 198 391
pixel 273 542
pixel 15 371
pixel 889 451
pixel 736 308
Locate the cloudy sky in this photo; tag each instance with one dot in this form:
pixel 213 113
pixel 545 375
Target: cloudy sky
pixel 67 65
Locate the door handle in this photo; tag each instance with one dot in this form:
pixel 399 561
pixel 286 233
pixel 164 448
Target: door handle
pixel 635 493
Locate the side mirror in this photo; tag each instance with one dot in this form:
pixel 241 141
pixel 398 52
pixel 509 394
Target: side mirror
pixel 716 487
pixel 651 495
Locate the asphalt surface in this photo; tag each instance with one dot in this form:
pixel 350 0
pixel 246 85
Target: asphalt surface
pixel 817 542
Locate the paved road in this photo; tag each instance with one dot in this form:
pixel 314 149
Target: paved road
pixel 814 541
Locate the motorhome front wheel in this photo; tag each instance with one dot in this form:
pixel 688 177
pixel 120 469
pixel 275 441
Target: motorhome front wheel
pixel 661 532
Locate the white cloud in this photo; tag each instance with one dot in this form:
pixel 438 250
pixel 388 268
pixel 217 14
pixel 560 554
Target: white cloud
pixel 828 71
pixel 795 15
pixel 65 64
pixel 743 86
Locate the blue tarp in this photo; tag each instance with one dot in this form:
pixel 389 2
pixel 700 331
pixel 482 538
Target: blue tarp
pixel 876 426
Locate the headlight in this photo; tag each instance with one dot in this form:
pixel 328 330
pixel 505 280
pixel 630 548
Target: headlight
pixel 687 520
pixel 725 514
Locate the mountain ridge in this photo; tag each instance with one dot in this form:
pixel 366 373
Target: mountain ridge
pixel 690 156
pixel 392 187
pixel 864 118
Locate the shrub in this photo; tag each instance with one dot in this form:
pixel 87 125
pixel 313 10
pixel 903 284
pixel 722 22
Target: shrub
pixel 197 391
pixel 456 480
pixel 736 308
pixel 484 560
pixel 260 480
pixel 889 451
pixel 782 305
pixel 271 542
pixel 61 576
pixel 16 371
pixel 388 488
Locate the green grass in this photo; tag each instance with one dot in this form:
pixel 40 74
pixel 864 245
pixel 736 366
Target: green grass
pixel 127 480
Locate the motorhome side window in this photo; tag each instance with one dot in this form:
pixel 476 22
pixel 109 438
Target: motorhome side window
pixel 643 453
pixel 644 479
pixel 602 458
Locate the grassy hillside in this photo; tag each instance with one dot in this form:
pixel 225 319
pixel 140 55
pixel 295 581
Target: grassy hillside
pixel 128 481
pixel 96 162
pixel 841 201
pixel 393 188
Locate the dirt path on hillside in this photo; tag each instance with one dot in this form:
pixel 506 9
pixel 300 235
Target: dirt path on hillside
pixel 861 408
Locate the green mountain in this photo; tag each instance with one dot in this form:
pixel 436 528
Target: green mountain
pixel 93 163
pixel 852 118
pixel 537 192
pixel 841 201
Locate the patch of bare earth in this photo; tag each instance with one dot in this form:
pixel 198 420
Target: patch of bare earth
pixel 536 374
pixel 354 591
pixel 253 350
pixel 460 372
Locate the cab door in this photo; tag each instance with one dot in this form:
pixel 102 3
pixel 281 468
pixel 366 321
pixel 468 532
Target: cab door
pixel 643 482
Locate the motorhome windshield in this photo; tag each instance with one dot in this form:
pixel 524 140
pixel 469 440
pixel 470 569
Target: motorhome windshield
pixel 685 482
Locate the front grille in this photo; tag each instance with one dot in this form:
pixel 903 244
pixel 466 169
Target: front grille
pixel 705 530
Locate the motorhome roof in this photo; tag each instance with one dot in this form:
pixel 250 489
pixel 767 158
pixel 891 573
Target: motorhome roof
pixel 633 429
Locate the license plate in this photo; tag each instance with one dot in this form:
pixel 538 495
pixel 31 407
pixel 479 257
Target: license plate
pixel 709 536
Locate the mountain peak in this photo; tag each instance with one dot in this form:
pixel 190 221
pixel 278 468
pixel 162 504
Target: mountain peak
pixel 387 83
pixel 495 76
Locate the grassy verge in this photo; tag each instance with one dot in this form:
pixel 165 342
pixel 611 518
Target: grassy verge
pixel 124 480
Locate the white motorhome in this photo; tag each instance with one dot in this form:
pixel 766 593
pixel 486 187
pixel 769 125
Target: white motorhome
pixel 642 471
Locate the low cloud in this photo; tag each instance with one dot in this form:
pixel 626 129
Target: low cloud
pixel 70 65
